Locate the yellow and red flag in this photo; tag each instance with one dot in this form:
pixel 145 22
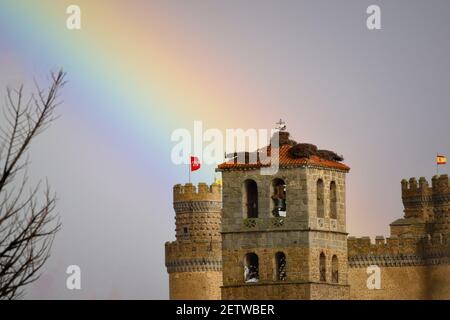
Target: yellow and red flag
pixel 440 159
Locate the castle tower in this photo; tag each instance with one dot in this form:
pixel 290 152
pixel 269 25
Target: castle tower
pixel 415 259
pixel 427 217
pixel 194 261
pixel 441 206
pixel 427 208
pixel 284 235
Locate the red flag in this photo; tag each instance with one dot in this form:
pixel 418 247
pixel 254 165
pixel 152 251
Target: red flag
pixel 195 163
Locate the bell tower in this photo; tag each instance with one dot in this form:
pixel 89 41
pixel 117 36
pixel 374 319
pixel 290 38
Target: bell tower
pixel 284 235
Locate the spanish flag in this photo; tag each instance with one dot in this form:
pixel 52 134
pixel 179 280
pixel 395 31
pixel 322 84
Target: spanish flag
pixel 440 159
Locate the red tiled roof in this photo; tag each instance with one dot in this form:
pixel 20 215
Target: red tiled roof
pixel 286 160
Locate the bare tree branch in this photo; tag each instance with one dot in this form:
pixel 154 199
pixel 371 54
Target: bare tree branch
pixel 27 223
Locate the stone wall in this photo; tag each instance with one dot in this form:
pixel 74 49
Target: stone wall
pixel 195 285
pixel 406 282
pixel 410 268
pixel 286 291
pixel 330 244
pixel 297 264
pixel 438 279
pixel 327 176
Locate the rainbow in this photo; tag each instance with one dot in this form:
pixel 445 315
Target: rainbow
pixel 126 68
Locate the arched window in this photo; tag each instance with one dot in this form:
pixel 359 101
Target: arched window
pixel 333 200
pixel 323 267
pixel 320 199
pixel 251 267
pixel 280 265
pixel 335 269
pixel 250 199
pixel 278 198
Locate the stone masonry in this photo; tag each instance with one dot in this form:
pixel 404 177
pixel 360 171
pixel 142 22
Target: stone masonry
pixel 284 236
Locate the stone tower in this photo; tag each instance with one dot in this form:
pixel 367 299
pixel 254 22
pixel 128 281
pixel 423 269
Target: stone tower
pixel 194 260
pixel 427 218
pixel 284 235
pixel 427 208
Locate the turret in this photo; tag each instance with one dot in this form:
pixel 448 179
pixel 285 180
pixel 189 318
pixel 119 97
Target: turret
pixel 426 208
pixel 194 261
pixel 414 197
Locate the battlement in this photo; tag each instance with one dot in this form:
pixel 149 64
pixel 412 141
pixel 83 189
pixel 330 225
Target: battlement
pixel 398 251
pixel 382 246
pixel 439 185
pixel 423 201
pixel 203 192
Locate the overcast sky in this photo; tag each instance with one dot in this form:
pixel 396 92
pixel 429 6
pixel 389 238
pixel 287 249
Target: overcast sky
pixel 138 70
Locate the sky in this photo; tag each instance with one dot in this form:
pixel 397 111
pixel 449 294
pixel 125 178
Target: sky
pixel 138 70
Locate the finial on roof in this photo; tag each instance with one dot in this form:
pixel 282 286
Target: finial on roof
pixel 281 125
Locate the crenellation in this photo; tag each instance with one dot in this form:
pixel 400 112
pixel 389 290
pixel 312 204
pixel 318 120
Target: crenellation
pixel 424 203
pixel 383 246
pixel 202 192
pixel 413 184
pixel 423 184
pixel 440 184
pixel 412 187
pixel 380 241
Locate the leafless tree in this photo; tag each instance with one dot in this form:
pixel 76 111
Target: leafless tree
pixel 27 222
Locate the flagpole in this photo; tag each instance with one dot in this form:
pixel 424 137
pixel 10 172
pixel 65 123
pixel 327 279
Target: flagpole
pixel 194 164
pixel 437 164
